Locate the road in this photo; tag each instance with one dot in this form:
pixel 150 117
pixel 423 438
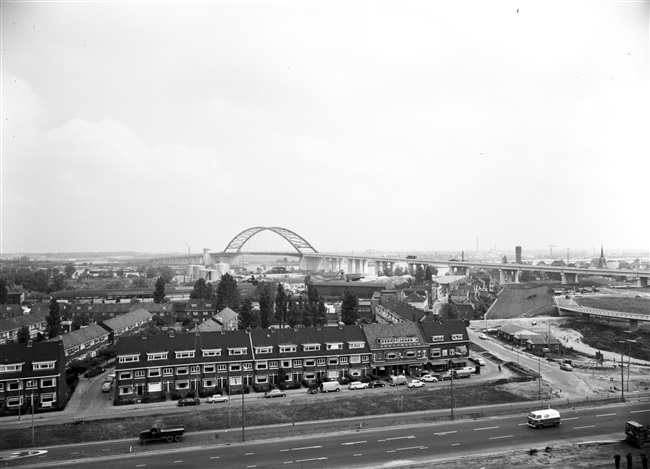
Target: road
pixel 372 448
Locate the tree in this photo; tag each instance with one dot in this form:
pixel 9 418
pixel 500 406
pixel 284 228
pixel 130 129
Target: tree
pixel 349 308
pixel 247 316
pixel 280 305
pixel 398 271
pixel 448 312
pixel 200 290
pixel 151 272
pixel 266 306
pixel 227 293
pixel 139 282
pixel 23 335
pixel 80 321
pixel 419 275
pixel 53 319
pixel 4 292
pixel 159 292
pixel 58 282
pixel 41 281
pixel 321 313
pixel 167 274
pixel 69 270
pixel 429 273
pixel 293 313
pixel 306 317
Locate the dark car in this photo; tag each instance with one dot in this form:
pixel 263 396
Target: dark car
pixel 376 384
pixel 189 401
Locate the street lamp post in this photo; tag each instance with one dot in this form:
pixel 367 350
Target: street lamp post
pixel 451 385
pixel 629 362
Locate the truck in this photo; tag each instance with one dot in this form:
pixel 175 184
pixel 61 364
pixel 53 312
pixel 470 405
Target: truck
pixel 159 433
pixel 636 434
pixel 544 418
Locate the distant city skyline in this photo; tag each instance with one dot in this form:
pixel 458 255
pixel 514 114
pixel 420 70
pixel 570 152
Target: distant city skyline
pixel 151 126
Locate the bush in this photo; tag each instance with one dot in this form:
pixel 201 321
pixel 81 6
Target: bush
pixel 262 387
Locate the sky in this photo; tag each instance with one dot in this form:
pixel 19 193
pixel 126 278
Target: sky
pixel 359 125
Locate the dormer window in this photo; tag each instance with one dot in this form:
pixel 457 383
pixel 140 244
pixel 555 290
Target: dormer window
pixel 214 352
pixel 457 337
pixel 353 345
pixel 265 349
pixel 157 356
pixel 288 348
pixel 185 354
pixel 44 365
pixel 334 345
pixel 12 367
pixel 310 347
pixel 438 338
pixel 129 358
pixel 238 351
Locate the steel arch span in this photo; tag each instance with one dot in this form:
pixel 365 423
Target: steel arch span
pixel 297 241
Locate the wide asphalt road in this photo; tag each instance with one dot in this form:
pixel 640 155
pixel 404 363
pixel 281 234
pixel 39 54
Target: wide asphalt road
pixel 376 447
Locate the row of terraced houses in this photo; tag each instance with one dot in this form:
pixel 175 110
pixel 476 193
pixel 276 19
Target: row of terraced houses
pixel 175 364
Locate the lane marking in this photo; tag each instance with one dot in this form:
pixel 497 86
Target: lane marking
pixel 358 454
pixel 406 449
pixel 586 426
pixel 390 451
pixel 254 465
pixel 499 437
pixel 455 444
pixel 521 424
pixel 637 411
pixel 298 449
pixel 397 438
pixel 141 465
pixel 485 428
pixel 312 459
pixel 214 457
pixel 248 454
pixel 445 433
pixel 177 462
pixel 353 443
pixel 606 415
pixel 572 418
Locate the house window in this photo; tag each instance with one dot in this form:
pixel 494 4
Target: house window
pixel 273 364
pixel 125 375
pixel 125 390
pixel 43 365
pixel 221 368
pixel 333 361
pixel 310 362
pixel 343 360
pixel 410 354
pixel 353 345
pixel 286 363
pixel 238 351
pixel 157 356
pixel 129 358
pixel 48 397
pixel 248 366
pixel 15 386
pixel 2 386
pixel 310 347
pixel 168 371
pixel 365 358
pixel 261 379
pixel 438 338
pixel 47 382
pixel 139 374
pixel 10 368
pixel 355 359
pixel 182 384
pixel 261 365
pixel 195 369
pixel 208 368
pixel 444 353
pixel 457 337
pixel 185 354
pixel 334 345
pixel 435 352
pixel 320 361
pixel 212 352
pixel 181 370
pixel 391 355
pixel 208 383
pixel 288 348
pixel 235 367
pixel 14 401
pixel 154 372
pixel 32 383
pixel 155 387
pixel 262 350
pixel 235 380
pixel 297 363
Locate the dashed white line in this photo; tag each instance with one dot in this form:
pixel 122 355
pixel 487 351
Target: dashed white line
pixel 141 465
pixel 353 443
pixel 637 411
pixel 606 415
pixel 214 457
pixel 312 459
pixel 572 418
pixel 175 462
pixel 254 465
pixel 485 428
pixel 248 454
pixel 445 433
pixel 358 454
pixel 455 444
pixel 397 438
pixel 499 437
pixel 586 426
pixel 298 449
pixel 412 447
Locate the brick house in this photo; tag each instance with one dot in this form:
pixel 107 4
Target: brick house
pixel 396 348
pixel 446 341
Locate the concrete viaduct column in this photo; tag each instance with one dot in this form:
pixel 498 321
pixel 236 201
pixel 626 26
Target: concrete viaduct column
pixel 634 325
pixel 642 282
pixel 502 276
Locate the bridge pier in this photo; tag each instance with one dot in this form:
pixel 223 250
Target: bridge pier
pixel 642 282
pixel 569 277
pixel 634 325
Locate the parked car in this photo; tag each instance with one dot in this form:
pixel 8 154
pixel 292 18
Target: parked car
pixel 477 360
pixel 328 386
pixel 217 398
pixel 482 336
pixel 566 367
pixel 189 401
pixel 275 393
pixel 445 376
pixel 376 384
pixel 357 385
pixel 111 375
pixel 429 378
pixel 415 383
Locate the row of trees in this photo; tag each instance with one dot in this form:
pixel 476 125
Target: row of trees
pixel 420 274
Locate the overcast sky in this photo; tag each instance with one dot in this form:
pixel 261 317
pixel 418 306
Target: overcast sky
pixel 153 126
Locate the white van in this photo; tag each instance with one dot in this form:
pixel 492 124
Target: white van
pixel 544 418
pixel 398 380
pixel 328 386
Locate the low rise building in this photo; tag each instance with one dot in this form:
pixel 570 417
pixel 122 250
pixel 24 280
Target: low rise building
pixel 9 327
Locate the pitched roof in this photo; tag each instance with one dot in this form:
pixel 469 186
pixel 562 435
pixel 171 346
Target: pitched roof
pixel 512 329
pixel 17 322
pixel 446 328
pixel 28 353
pixel 374 332
pixel 226 315
pixel 127 319
pixel 402 309
pixel 81 336
pixel 209 325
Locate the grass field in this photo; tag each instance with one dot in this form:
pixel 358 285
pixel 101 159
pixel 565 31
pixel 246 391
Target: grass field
pixel 616 303
pixel 604 337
